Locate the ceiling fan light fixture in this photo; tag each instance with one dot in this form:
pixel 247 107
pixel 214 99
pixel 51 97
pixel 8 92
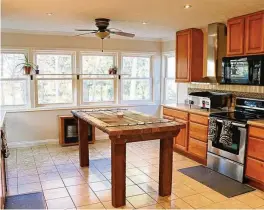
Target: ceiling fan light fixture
pixel 102 34
pixel 49 13
pixel 144 23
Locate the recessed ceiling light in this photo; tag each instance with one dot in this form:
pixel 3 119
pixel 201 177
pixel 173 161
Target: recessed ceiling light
pixel 187 6
pixel 144 23
pixel 49 13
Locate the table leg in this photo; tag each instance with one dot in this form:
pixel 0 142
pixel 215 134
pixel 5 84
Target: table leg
pixel 83 143
pixel 165 166
pixel 118 158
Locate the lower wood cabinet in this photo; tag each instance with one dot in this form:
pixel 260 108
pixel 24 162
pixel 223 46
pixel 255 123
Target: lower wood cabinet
pixel 255 169
pixel 198 131
pixel 181 141
pixel 197 148
pixel 192 140
pixel 255 155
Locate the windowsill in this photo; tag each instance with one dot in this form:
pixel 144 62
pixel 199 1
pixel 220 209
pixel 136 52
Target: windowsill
pixel 77 107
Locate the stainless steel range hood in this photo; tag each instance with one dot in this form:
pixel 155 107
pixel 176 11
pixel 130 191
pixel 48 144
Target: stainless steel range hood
pixel 216 50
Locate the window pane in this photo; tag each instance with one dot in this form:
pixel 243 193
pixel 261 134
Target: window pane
pixel 171 90
pixel 92 64
pixel 136 66
pixel 171 67
pixel 9 68
pixel 136 89
pixel 54 91
pixel 13 92
pixel 98 90
pixel 54 64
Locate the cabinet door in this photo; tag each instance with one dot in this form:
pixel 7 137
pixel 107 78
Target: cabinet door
pixel 198 148
pixel 182 56
pixel 255 169
pixel 254 33
pixel 198 131
pixel 180 142
pixel 235 36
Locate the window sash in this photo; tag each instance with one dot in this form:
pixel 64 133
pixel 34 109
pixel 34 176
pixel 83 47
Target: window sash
pixel 15 79
pixel 150 79
pixel 83 102
pixel 56 78
pixel 97 77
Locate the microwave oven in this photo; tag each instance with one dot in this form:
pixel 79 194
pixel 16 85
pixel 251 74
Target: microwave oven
pixel 243 70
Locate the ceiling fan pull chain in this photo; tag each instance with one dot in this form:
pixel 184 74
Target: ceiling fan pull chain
pixel 102 45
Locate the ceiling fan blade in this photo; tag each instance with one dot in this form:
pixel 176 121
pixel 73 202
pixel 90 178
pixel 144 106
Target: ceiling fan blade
pixel 86 33
pixel 84 30
pixel 121 33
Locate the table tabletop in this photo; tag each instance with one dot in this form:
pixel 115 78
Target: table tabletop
pixel 132 122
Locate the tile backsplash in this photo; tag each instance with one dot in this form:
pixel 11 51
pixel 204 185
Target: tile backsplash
pixel 236 90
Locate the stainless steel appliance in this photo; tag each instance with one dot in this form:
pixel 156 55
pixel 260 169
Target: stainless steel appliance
pixel 247 70
pixel 209 100
pixel 216 50
pixel 230 159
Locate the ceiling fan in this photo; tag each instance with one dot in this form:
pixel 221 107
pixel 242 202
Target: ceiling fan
pixel 103 31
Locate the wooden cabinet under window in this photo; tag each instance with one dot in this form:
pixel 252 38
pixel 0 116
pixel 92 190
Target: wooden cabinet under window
pixel 245 34
pixel 68 131
pixel 189 55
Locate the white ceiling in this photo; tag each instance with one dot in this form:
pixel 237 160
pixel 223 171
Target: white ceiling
pixel 164 17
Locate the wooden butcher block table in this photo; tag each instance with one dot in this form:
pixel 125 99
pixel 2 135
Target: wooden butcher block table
pixel 132 127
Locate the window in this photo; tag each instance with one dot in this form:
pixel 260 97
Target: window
pixel 14 85
pixel 55 85
pixel 170 85
pixel 137 85
pixel 98 86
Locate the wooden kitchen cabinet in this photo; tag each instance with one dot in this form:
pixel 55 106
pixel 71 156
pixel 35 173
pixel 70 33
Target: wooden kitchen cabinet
pixel 197 148
pixel 245 34
pixel 181 141
pixel 235 36
pixel 255 156
pixel 189 55
pixel 254 33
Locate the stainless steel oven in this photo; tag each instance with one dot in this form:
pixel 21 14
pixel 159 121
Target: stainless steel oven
pixel 229 159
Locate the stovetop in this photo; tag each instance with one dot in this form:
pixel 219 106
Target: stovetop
pixel 239 116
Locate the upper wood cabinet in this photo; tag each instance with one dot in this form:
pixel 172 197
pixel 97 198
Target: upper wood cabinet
pixel 235 38
pixel 189 55
pixel 245 34
pixel 254 33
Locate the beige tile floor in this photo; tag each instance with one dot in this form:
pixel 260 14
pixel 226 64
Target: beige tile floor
pixel 55 171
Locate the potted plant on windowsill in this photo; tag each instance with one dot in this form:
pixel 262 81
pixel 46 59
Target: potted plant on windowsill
pixel 26 65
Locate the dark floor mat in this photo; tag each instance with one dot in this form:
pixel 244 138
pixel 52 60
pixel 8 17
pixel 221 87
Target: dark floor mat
pixel 218 182
pixel 26 201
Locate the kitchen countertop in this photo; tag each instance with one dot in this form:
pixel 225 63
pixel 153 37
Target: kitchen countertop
pixel 193 109
pixel 258 123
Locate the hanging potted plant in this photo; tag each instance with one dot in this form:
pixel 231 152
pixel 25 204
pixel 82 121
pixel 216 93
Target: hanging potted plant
pixel 26 65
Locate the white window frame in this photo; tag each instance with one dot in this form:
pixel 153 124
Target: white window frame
pixel 50 77
pixel 150 78
pixel 103 77
pixel 21 78
pixel 167 78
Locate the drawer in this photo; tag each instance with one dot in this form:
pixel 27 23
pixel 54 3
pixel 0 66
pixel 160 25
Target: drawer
pixel 197 148
pixel 199 119
pixel 198 131
pixel 255 169
pixel 175 113
pixel 256 148
pixel 256 132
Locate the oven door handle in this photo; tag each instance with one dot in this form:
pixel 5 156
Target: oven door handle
pixel 234 123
